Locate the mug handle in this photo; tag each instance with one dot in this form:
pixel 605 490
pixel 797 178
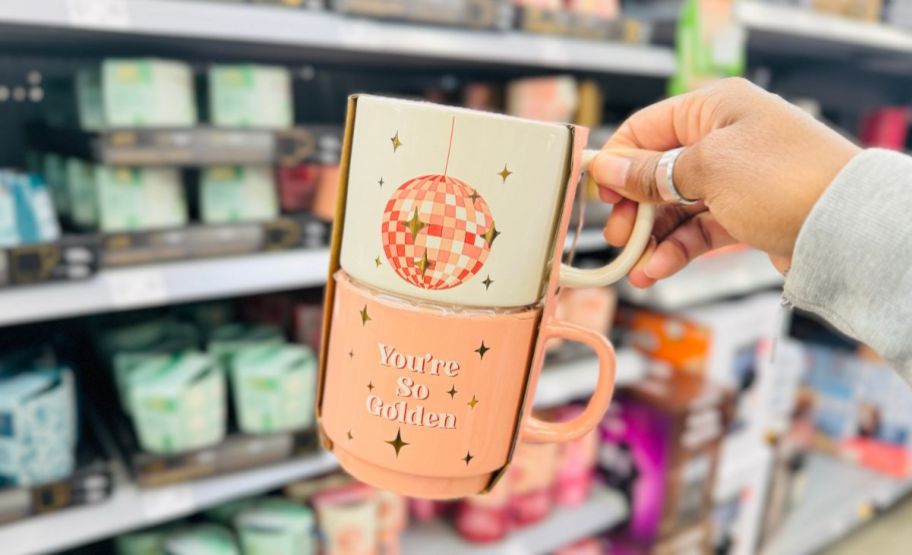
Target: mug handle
pixel 539 431
pixel 620 266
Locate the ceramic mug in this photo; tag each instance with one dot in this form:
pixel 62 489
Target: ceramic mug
pixel 425 400
pixel 463 207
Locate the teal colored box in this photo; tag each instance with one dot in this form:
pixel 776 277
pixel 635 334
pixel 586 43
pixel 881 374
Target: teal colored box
pixel 148 92
pixel 248 95
pixel 131 199
pixel 238 194
pixel 178 404
pixel 277 526
pixel 274 388
pixel 38 428
pixel 225 341
pixel 202 539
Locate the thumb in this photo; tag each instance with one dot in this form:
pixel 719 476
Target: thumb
pixel 632 173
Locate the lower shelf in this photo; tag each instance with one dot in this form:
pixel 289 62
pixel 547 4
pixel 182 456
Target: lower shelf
pixel 131 508
pixel 604 509
pixel 839 498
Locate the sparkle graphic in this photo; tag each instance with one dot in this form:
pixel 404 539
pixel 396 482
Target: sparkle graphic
pixel 377 262
pixel 350 436
pixel 487 282
pixel 397 443
pixel 473 403
pixel 370 386
pixel 482 350
pixel 396 142
pixel 423 264
pixel 364 315
pixel 504 174
pixel 468 458
pixel 380 182
pixel 452 392
pixel 414 225
pixel 474 196
pixel 491 234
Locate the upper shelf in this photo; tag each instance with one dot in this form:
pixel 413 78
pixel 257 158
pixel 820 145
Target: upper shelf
pixel 325 35
pixel 783 27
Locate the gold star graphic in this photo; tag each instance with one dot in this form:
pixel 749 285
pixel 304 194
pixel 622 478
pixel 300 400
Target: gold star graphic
pixel 365 316
pixel 474 196
pixel 377 262
pixel 380 182
pixel 397 443
pixel 423 264
pixel 452 392
pixel 491 234
pixel 468 458
pixel 415 225
pixel 504 174
pixel 482 350
pixel 396 142
pixel 473 402
pixel 370 386
pixel 487 282
pixel 350 436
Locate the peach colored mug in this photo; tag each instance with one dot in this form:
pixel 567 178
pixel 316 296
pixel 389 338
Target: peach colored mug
pixel 426 390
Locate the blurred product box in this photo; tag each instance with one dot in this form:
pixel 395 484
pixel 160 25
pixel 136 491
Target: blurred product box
pixel 861 409
pixel 178 404
pixel 886 128
pixel 274 388
pixel 276 526
pixel 308 324
pixel 73 257
pixel 319 144
pixel 297 187
pixel 660 447
pixel 605 9
pixel 131 199
pixel 740 496
pixel 787 484
pixel 727 342
pixel 479 518
pixel 80 193
pixel 580 25
pixel 146 92
pixel 145 542
pixel 226 342
pixel 348 518
pixel 27 212
pixel 485 14
pixel 202 539
pixel 37 426
pixel 553 99
pixel 532 477
pixel 867 10
pixel 248 95
pixel 238 194
pixel 206 241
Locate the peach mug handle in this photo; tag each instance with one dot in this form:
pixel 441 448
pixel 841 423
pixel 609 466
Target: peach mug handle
pixel 539 431
pixel 620 266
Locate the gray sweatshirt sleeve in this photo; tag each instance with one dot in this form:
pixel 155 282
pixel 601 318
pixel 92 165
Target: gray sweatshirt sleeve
pixel 852 263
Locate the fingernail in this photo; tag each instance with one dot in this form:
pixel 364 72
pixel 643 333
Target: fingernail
pixel 653 268
pixel 611 170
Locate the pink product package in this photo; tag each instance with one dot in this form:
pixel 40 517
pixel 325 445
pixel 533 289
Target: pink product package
pixel 576 464
pixel 886 128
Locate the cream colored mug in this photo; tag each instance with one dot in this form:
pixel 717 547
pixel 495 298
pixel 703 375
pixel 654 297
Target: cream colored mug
pixel 463 207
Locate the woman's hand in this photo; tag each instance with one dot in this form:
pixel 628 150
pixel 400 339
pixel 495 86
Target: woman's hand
pixel 757 164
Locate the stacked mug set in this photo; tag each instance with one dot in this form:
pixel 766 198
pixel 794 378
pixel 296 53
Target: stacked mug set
pixel 446 261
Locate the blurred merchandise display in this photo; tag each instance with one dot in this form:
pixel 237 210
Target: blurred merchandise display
pixel 886 128
pixel 238 194
pixel 27 213
pixel 250 96
pixel 710 44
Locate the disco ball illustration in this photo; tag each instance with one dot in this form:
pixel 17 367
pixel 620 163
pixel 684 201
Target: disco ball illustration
pixel 437 231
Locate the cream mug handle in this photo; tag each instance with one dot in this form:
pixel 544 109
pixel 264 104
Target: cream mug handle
pixel 620 266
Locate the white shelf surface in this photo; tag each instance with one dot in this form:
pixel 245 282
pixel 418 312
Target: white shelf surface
pixel 565 381
pixel 805 24
pixel 603 510
pixel 167 283
pixel 708 278
pixel 131 508
pixel 353 39
pixel 840 497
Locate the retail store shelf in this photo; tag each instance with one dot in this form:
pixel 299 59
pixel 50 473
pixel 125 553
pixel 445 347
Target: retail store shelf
pixel 326 35
pixel 130 508
pixel 785 25
pixel 602 511
pixel 706 279
pixel 840 497
pixel 564 381
pixel 156 285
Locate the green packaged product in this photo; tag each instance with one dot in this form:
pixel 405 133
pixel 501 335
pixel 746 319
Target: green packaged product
pixel 202 539
pixel 277 526
pixel 238 194
pixel 147 92
pixel 90 99
pixel 247 95
pixel 225 341
pixel 132 199
pixel 273 387
pixel 710 44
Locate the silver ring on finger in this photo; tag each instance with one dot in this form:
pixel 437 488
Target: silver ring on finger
pixel 664 178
